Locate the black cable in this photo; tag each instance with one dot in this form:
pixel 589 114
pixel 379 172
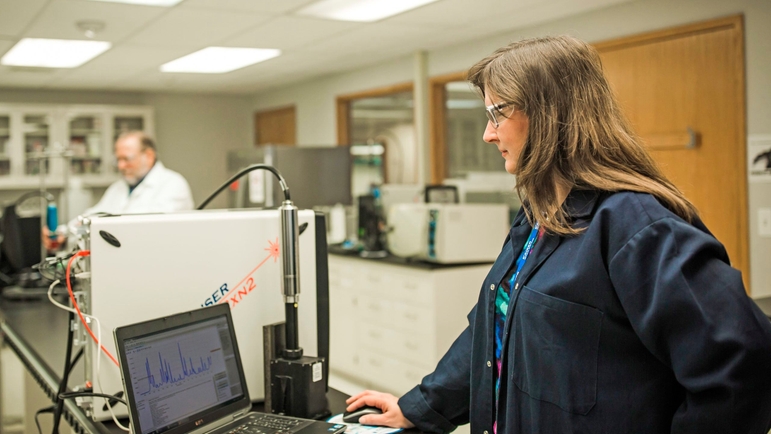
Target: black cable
pixel 70 395
pixel 65 376
pixel 243 172
pixel 58 267
pixel 38 413
pixel 48 270
pixel 75 360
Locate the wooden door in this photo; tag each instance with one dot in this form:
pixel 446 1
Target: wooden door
pixel 691 79
pixel 275 127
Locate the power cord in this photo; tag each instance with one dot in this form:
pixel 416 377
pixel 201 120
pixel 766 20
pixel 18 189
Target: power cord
pixel 109 397
pixel 53 268
pixel 59 406
pixel 52 409
pixel 243 172
pixel 39 412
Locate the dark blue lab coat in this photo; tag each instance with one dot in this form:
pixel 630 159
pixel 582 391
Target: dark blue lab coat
pixel 637 325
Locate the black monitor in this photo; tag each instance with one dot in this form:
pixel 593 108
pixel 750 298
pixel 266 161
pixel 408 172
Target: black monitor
pixel 21 240
pixel 441 194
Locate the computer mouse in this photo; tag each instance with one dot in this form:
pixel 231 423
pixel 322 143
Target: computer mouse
pixel 353 416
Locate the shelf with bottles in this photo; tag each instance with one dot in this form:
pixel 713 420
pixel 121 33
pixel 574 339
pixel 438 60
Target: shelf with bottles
pixel 5 138
pixel 4 146
pixel 123 124
pixel 85 165
pixel 36 125
pixel 36 134
pixel 86 147
pixel 86 135
pixel 64 139
pixel 34 165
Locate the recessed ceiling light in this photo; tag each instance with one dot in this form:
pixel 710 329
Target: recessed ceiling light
pixel 144 2
pixel 217 60
pixel 361 10
pixel 53 53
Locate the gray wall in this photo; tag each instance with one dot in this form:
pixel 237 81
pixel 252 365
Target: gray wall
pixel 315 99
pixel 193 132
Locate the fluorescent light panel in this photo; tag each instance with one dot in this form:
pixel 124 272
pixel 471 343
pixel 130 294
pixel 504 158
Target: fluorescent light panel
pixel 53 53
pixel 218 60
pixel 361 10
pixel 144 2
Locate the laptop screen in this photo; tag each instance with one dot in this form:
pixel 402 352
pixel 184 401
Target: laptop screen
pixel 180 374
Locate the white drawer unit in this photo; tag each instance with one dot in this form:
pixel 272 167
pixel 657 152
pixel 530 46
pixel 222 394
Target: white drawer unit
pixel 390 324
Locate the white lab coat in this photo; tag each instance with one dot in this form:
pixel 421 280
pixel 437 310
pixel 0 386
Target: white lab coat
pixel 162 190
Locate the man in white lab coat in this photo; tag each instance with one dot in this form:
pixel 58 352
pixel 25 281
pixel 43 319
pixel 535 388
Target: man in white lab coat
pixel 147 185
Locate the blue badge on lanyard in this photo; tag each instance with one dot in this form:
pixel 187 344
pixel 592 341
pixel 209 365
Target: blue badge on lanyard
pixel 523 257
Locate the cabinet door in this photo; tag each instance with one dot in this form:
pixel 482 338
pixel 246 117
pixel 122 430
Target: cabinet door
pixel 5 144
pixel 343 305
pixel 86 136
pixel 36 139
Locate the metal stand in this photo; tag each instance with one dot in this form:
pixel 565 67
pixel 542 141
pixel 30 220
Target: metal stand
pixel 294 387
pixel 297 383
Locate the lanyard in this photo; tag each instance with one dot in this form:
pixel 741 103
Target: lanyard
pixel 523 257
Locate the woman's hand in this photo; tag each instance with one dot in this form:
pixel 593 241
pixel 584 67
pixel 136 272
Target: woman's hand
pixel 392 415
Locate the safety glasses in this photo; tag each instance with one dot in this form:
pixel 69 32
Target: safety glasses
pixel 491 111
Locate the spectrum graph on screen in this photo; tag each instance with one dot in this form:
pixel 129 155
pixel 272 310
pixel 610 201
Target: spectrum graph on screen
pixel 167 374
pixel 181 372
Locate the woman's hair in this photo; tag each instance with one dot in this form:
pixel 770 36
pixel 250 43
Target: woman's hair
pixel 578 136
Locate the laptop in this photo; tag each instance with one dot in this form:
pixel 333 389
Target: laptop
pixel 183 374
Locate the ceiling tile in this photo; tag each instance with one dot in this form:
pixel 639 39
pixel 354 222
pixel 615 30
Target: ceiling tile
pixel 82 82
pixel 59 19
pixel 261 6
pixel 290 32
pixel 119 64
pixel 145 37
pixel 195 28
pixel 540 13
pixel 17 15
pixel 5 45
pixel 27 77
pixel 459 12
pixel 379 38
pixel 179 80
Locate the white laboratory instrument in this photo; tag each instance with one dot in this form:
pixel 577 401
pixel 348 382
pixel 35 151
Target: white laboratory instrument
pixel 447 233
pixel 170 263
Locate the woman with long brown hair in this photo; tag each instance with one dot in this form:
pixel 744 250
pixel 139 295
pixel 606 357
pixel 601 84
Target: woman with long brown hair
pixel 611 308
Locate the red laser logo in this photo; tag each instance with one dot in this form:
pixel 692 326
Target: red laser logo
pixel 246 285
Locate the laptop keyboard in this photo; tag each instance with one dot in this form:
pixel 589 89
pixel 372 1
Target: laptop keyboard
pixel 266 424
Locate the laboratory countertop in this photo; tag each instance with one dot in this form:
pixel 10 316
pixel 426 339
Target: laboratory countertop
pixel 396 260
pixel 37 333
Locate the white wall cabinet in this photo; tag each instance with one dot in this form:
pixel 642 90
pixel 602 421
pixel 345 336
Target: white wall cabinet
pixel 27 132
pixel 390 324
